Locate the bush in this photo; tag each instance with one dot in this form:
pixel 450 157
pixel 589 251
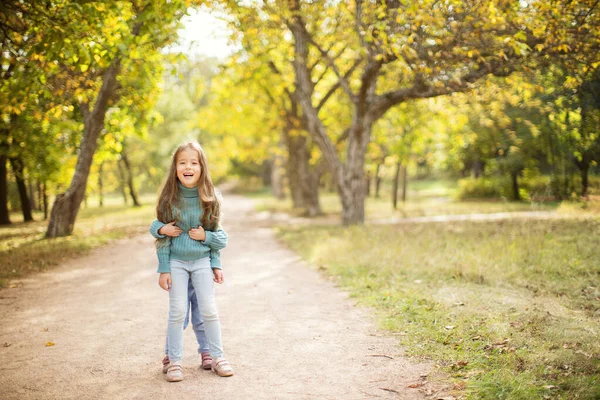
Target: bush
pixel 481 188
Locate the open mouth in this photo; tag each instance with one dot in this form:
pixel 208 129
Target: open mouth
pixel 188 175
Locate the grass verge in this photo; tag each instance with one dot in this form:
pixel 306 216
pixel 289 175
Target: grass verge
pixel 24 248
pixel 511 310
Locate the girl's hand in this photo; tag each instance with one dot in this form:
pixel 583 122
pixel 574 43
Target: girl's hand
pixel 197 233
pixel 218 275
pixel 170 229
pixel 164 281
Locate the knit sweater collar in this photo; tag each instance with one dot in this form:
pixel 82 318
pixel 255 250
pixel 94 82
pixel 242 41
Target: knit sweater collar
pixel 187 192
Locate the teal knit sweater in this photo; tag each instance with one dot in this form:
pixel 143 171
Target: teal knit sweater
pixel 183 247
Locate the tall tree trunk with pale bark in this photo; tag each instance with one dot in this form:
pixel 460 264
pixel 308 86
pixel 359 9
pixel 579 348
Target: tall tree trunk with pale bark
pixel 67 204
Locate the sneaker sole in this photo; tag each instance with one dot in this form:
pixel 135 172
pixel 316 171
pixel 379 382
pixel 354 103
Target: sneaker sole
pixel 223 374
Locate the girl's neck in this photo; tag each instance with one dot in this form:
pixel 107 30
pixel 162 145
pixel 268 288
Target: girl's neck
pixel 187 192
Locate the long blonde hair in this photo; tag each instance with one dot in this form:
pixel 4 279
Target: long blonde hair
pixel 169 196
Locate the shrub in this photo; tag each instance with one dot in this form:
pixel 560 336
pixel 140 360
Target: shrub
pixel 481 188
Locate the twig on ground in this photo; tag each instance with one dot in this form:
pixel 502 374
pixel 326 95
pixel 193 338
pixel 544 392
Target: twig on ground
pixel 381 355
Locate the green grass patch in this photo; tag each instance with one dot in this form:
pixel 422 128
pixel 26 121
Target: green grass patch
pixel 425 198
pixel 511 310
pixel 24 248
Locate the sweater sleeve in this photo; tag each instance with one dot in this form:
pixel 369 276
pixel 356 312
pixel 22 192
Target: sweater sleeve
pixel 215 259
pixel 155 227
pixel 163 252
pixel 216 240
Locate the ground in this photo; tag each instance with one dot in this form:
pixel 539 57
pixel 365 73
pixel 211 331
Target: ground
pixel 94 328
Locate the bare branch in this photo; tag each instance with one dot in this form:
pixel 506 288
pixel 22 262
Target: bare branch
pixel 343 82
pixel 421 90
pixel 337 85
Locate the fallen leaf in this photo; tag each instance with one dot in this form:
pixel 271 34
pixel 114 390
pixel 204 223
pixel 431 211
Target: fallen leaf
pixel 6 344
pixel 45 330
pixel 449 327
pixel 501 342
pixel 459 364
pixel 49 344
pixel 459 385
pixel 416 385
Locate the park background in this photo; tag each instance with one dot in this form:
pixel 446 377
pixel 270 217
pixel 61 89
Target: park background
pixel 438 158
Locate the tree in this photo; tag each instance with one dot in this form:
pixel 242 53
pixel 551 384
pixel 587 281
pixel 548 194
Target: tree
pixel 138 29
pixel 420 50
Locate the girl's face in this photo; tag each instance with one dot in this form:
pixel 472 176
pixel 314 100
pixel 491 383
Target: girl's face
pixel 188 167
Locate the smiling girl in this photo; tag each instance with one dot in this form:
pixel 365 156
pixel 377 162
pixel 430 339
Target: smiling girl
pixel 189 238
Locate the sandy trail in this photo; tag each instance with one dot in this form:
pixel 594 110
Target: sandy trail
pixel 288 332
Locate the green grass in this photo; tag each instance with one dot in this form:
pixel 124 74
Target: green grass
pixel 510 310
pixel 24 248
pixel 425 198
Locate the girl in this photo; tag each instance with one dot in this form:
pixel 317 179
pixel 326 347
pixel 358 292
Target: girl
pixel 218 242
pixel 190 211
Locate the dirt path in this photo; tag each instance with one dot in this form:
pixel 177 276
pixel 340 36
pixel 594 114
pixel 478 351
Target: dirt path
pixel 289 333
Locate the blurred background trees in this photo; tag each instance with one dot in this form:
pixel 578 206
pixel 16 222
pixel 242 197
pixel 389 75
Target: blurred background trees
pixel 363 97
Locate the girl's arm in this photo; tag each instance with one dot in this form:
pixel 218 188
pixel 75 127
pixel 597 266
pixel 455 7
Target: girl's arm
pixel 216 240
pixel 155 227
pixel 215 259
pixel 169 229
pixel 163 252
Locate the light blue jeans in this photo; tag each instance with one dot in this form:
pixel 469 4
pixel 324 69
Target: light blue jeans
pixel 197 323
pixel 200 273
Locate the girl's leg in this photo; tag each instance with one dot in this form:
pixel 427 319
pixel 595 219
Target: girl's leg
pixel 178 306
pixel 187 313
pixel 198 324
pixel 167 343
pixel 202 278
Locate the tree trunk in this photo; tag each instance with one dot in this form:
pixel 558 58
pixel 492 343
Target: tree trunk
pixel 39 195
pixel 4 215
pixel 292 171
pixel 310 193
pixel 17 167
pixel 308 179
pixel 584 181
pixel 368 183
pixel 45 201
pixel 278 172
pixel 130 185
pixel 122 181
pixel 377 180
pixel 32 196
pixel 353 191
pixel 277 179
pixel 66 206
pixel 395 185
pixel 477 167
pixel 349 177
pixel 404 182
pixel 304 179
pixel 265 172
pixel 100 186
pixel 514 176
